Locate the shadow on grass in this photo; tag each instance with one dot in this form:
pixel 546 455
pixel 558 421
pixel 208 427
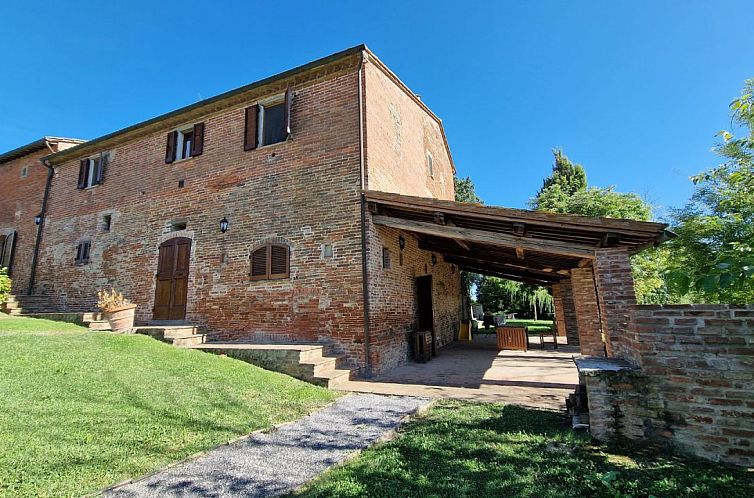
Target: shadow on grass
pixel 475 450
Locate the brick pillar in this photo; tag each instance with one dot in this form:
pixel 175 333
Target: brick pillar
pixel 565 314
pixel 587 308
pixel 616 293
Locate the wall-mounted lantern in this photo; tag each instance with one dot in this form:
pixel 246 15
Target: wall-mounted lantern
pixel 401 242
pixel 434 260
pixel 38 219
pixel 224 224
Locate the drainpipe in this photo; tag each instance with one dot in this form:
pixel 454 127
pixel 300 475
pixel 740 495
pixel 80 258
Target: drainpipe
pixel 364 262
pixel 42 213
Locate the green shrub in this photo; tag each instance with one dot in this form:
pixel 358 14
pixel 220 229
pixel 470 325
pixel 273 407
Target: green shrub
pixel 4 284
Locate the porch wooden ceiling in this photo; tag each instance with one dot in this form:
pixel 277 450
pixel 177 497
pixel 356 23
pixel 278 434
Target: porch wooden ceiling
pixel 529 246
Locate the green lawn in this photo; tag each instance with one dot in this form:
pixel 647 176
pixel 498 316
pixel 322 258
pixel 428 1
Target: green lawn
pixel 462 449
pixel 82 410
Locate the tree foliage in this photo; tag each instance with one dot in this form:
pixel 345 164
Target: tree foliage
pixel 566 191
pixel 498 294
pixel 465 190
pixel 713 255
pixel 5 284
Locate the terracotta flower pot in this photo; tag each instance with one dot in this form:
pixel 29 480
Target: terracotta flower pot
pixel 120 319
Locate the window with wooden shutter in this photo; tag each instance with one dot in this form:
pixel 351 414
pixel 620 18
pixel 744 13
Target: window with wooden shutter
pixel 170 149
pixel 99 168
pixel 7 246
pixel 82 252
pixel 83 173
pixel 270 262
pixel 197 145
pixel 288 105
pixel 250 128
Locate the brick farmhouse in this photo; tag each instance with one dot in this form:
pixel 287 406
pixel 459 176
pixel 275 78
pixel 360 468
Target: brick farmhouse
pixel 315 208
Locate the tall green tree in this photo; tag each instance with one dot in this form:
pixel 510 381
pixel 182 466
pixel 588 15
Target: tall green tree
pixel 713 256
pixel 466 191
pixel 498 294
pixel 566 191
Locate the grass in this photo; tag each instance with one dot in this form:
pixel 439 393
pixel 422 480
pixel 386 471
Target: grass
pixel 82 410
pixel 535 326
pixel 462 449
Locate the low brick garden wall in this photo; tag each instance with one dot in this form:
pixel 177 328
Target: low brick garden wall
pixel 687 382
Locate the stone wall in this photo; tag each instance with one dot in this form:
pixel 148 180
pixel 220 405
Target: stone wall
pixel 692 388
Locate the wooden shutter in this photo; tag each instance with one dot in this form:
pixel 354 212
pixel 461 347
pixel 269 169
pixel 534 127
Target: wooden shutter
pixel 99 169
pixel 170 150
pixel 6 258
pixel 197 144
pixel 278 261
pixel 288 103
pixel 85 255
pixel 259 264
pixel 250 128
pixel 83 172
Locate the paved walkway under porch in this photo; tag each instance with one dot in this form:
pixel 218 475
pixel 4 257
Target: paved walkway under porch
pixel 476 370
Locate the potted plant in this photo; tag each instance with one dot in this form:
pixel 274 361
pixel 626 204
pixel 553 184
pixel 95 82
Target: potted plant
pixel 116 309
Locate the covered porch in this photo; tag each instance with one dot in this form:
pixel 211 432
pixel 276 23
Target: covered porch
pixel 584 261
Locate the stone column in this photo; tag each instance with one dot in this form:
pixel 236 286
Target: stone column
pixel 565 314
pixel 587 308
pixel 616 293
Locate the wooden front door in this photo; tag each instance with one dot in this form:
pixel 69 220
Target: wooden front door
pixel 425 314
pixel 172 279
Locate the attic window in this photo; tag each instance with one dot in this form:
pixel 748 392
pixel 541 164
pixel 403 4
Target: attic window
pixel 184 143
pixel 24 172
pixel 385 258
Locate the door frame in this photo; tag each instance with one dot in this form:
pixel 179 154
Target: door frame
pixel 176 240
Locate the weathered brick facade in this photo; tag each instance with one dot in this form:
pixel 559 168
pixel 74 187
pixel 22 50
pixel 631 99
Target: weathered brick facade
pixel 304 192
pixel 693 389
pixel 23 181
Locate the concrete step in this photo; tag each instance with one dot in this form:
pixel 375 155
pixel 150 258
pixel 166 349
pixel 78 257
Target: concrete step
pixel 168 332
pixel 333 378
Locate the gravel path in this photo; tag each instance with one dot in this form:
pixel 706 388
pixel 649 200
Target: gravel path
pixel 270 464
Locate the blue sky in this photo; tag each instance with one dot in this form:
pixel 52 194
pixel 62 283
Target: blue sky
pixel 633 90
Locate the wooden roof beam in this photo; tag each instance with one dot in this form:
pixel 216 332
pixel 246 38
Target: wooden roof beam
pixel 486 237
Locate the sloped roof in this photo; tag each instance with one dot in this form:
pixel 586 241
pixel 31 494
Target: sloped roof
pixel 35 146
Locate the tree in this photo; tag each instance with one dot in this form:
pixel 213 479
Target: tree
pixel 566 191
pixel 465 190
pixel 713 255
pixel 499 294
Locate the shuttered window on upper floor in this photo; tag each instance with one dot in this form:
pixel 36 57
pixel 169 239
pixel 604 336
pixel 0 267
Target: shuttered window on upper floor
pixel 270 262
pixel 92 170
pixel 82 252
pixel 268 122
pixel 184 143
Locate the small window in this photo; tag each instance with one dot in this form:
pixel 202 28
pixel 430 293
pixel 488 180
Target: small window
pixel 272 124
pixel 92 170
pixel 327 250
pixel 430 165
pixel 24 172
pixel 177 226
pixel 107 222
pixel 385 258
pixel 82 253
pixel 184 143
pixel 270 262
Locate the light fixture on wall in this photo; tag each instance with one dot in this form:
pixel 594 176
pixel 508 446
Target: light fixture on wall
pixel 401 242
pixel 224 224
pixel 38 219
pixel 434 260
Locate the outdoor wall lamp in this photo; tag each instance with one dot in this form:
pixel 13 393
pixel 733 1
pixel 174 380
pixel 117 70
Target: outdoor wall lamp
pixel 401 242
pixel 434 260
pixel 224 224
pixel 38 219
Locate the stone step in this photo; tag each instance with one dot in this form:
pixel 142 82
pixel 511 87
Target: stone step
pixel 302 361
pixel 189 341
pixel 168 332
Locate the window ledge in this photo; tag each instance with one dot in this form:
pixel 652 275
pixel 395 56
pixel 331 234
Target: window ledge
pixel 182 160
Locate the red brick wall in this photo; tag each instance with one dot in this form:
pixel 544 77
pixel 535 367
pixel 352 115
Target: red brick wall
pixel 695 388
pixel 565 313
pixel 400 133
pixel 615 289
pixel 20 202
pixel 393 300
pixel 587 312
pixel 304 191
